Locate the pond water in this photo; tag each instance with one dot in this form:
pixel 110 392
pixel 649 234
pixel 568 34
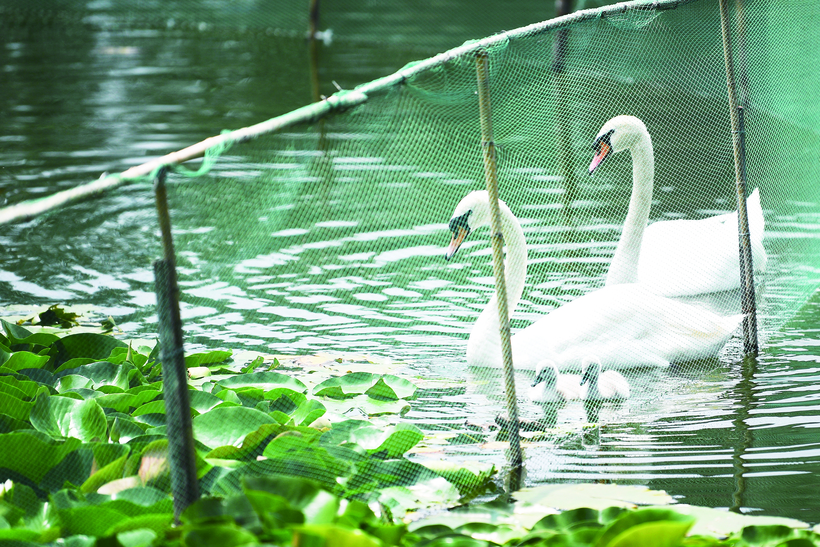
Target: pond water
pixel 287 280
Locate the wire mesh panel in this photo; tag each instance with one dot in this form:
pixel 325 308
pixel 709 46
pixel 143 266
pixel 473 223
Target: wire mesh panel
pixel 362 354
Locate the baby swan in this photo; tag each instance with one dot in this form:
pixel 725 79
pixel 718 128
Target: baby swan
pixel 551 387
pixel 602 386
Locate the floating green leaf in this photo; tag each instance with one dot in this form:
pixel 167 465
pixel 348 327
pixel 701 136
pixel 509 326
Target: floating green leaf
pixel 263 380
pixel 392 388
pixel 349 385
pixel 228 426
pixel 208 358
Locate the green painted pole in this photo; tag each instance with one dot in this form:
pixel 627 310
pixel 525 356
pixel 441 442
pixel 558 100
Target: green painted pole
pixel 490 174
pixel 749 307
pixel 179 426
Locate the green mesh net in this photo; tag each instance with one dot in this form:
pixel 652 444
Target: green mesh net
pixel 327 237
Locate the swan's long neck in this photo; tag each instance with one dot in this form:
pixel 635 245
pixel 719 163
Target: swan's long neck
pixel 624 267
pixel 483 348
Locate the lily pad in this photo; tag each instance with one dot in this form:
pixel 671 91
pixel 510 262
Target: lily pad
pixel 228 426
pixel 207 358
pixel 263 380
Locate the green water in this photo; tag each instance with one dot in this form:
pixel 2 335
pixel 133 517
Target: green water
pixel 326 261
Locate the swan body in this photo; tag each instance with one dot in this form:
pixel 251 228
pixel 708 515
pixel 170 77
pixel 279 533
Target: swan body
pixel 676 257
pixel 609 385
pixel 626 325
pixel 550 386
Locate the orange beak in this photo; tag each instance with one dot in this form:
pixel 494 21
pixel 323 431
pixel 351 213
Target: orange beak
pixel 602 154
pixel 459 234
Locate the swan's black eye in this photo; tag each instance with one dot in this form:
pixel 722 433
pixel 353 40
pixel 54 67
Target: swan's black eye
pixel 460 223
pixel 603 140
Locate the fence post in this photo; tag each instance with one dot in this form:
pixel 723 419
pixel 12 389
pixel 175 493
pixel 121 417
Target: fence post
pixel 750 345
pixel 179 426
pixel 562 113
pixel 497 238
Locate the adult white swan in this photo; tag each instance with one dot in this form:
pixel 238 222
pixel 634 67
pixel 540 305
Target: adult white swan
pixel 677 257
pixel 625 325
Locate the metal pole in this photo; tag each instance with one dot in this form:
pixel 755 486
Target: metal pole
pixel 559 48
pixel 739 142
pixel 181 455
pixel 488 147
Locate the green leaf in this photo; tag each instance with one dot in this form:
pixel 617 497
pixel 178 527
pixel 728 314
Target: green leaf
pixel 20 360
pixel 121 402
pixel 110 472
pixel 154 407
pixel 18 335
pixel 263 380
pixel 368 405
pixel 73 382
pixel 218 535
pixel 308 412
pixel 88 520
pixel 16 451
pixel 349 385
pixel 384 442
pixel 392 388
pixel 228 426
pixel 22 389
pixel 252 445
pixel 329 534
pixel 103 373
pixel 64 417
pixel 209 358
pixel 203 402
pixel 15 408
pixel 649 526
pixel 123 429
pixel 86 344
pixel 73 363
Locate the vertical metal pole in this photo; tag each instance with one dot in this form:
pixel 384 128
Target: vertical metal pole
pixel 563 7
pixel 488 147
pixel 179 427
pixel 313 49
pixel 742 58
pixel 739 142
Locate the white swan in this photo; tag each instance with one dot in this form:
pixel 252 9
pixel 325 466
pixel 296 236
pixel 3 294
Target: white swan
pixel 609 385
pixel 626 325
pixel 677 257
pixel 550 386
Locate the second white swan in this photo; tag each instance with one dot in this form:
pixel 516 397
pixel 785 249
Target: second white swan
pixel 677 257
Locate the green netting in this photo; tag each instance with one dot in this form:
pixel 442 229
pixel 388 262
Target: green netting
pixel 328 236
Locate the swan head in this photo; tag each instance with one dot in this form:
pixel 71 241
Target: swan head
pixel 546 371
pixel 590 370
pixel 618 134
pixel 472 212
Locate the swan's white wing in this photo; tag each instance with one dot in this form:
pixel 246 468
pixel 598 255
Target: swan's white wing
pixel 625 326
pixel 680 257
